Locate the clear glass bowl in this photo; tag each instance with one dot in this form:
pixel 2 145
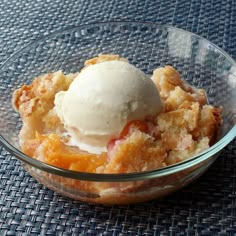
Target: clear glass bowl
pixel 147 46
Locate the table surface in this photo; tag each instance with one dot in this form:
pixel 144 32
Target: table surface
pixel 205 207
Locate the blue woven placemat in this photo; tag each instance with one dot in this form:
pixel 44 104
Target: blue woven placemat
pixel 206 207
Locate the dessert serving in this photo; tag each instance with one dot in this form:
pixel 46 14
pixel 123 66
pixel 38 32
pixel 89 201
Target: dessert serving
pixel 111 118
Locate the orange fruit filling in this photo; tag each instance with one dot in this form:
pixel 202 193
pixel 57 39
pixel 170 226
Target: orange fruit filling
pixel 57 153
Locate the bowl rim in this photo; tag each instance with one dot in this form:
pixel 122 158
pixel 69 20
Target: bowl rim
pixel 98 177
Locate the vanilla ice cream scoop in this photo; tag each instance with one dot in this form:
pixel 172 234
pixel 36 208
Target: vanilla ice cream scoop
pixel 102 99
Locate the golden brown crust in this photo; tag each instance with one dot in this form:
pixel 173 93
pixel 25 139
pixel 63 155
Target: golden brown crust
pixel 139 152
pixel 209 123
pixel 38 97
pixel 103 58
pixel 35 103
pixel 177 155
pixel 167 80
pixel 176 99
pixel 178 119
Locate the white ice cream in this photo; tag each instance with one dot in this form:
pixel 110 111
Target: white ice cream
pixel 102 99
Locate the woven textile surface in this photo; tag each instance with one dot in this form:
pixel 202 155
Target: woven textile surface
pixel 205 207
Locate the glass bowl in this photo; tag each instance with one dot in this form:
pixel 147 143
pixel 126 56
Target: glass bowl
pixel 147 46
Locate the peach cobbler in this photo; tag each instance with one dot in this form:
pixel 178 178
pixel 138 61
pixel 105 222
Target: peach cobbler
pixel 112 118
